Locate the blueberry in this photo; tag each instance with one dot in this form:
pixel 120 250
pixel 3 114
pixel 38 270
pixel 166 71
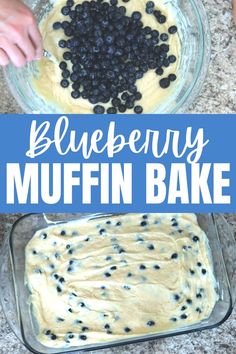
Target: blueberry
pixel 62 43
pixel 107 274
pixel 107 326
pixel 84 329
pixel 70 3
pixel 150 323
pixel 150 4
pixel 65 74
pixel 165 83
pixel 143 223
pixel 48 332
pixel 64 83
pixel 164 37
pixel 176 297
pixel 156 266
pixel 183 316
pixel 59 289
pixel 111 110
pixel 56 25
pixel 160 72
pixel 113 268
pixel 75 94
pixel 124 96
pixel 65 24
pixel 102 231
pixel 189 301
pixel 142 267
pixel 136 15
pixel 138 74
pixel 195 238
pixel 75 86
pixel 138 109
pixel 138 96
pixel 151 247
pixel 172 59
pixel 172 29
pixel 155 34
pixel 127 329
pixel 199 264
pixel 165 47
pixel 174 256
pixel 149 10
pixel 82 337
pixel 63 65
pixel 98 109
pixel 65 10
pixel 53 336
pixel 172 77
pixel 161 19
pixel 204 271
pixel 67 56
pixel 122 108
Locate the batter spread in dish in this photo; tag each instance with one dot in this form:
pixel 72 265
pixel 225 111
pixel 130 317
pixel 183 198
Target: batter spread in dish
pixel 118 277
pixel 138 60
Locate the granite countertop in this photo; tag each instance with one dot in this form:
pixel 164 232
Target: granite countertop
pixel 219 91
pixel 221 340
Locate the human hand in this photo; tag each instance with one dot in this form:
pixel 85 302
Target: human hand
pixel 20 39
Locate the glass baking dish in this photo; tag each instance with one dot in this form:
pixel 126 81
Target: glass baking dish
pixel 194 32
pixel 14 294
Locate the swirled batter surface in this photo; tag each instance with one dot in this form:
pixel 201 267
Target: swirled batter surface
pixel 114 278
pixel 47 84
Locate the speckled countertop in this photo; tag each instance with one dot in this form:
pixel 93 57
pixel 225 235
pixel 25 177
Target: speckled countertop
pixel 221 340
pixel 219 91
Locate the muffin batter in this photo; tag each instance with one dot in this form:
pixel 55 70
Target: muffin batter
pixel 47 85
pixel 118 277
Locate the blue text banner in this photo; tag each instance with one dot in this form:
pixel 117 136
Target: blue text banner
pixel 89 163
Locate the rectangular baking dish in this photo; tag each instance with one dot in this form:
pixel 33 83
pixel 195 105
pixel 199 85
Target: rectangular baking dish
pixel 14 294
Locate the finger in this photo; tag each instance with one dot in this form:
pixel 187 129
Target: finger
pixel 15 54
pixel 27 47
pixel 36 38
pixel 4 60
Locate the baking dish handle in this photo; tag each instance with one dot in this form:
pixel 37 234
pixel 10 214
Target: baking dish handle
pixel 228 248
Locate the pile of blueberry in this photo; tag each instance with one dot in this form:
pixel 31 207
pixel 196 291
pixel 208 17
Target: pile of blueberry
pixel 109 51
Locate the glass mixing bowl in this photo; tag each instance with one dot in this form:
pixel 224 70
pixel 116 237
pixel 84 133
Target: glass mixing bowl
pixel 14 294
pixel 194 35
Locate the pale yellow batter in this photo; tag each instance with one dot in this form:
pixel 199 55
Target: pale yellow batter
pixel 119 277
pixel 47 85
